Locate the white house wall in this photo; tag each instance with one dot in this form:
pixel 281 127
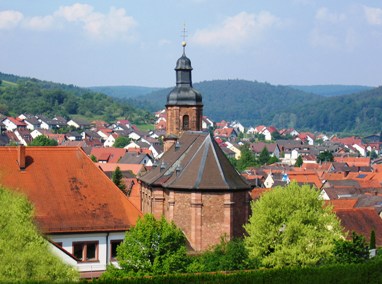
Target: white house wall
pixel 104 248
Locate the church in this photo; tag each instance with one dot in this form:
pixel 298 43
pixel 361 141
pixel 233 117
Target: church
pixel 194 184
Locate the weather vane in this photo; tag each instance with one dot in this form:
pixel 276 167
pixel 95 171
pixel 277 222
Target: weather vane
pixel 184 35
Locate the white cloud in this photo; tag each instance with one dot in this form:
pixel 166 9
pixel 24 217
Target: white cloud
pixel 373 15
pixel 323 14
pixel 75 12
pixel 236 30
pixel 321 39
pixel 39 23
pixel 114 24
pixel 10 19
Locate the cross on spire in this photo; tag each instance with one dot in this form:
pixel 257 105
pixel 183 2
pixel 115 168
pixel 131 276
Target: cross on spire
pixel 184 35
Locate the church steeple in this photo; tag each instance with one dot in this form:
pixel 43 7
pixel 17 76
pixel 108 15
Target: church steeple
pixel 184 106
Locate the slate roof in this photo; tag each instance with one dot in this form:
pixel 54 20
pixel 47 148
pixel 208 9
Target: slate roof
pixel 69 192
pixel 196 162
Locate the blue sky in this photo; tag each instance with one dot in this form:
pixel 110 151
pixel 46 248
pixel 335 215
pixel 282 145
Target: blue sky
pixel 98 43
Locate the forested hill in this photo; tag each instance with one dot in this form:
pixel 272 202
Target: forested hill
pixel 250 102
pixel 26 95
pixel 124 92
pixel 254 103
pixel 332 90
pixel 357 113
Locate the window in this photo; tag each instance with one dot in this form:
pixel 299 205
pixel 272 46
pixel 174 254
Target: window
pixel 86 251
pixel 113 248
pixel 186 122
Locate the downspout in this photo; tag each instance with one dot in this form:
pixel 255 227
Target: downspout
pixel 107 248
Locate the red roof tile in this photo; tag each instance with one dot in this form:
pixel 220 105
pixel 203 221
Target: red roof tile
pixel 69 192
pixel 114 153
pixel 362 221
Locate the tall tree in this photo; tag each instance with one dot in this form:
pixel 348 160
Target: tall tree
pixel 117 178
pixel 351 251
pixel 290 226
pixel 325 156
pixel 24 253
pixel 299 162
pixel 264 156
pixel 151 247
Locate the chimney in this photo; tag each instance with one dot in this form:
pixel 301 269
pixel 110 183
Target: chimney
pixel 21 156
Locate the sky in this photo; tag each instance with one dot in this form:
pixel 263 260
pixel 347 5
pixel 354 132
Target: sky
pixel 137 43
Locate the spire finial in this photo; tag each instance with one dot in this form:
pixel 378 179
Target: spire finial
pixel 184 35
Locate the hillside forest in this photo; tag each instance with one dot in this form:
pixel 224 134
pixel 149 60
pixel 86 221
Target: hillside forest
pixel 25 95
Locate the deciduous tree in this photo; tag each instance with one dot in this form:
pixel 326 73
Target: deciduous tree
pixel 151 247
pixel 291 226
pixel 121 142
pixel 43 141
pixel 24 253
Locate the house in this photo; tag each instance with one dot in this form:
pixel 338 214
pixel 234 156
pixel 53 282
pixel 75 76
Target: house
pixel 23 135
pixel 272 148
pixel 361 221
pixel 239 128
pixel 73 136
pixel 76 206
pixel 268 131
pixel 109 142
pixel 227 133
pixel 207 123
pixel 235 148
pixel 108 155
pixel 78 123
pixel 139 158
pixel 11 123
pixel 306 137
pixel 31 121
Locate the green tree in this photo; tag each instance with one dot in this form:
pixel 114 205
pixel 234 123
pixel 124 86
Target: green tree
pixel 272 160
pixel 325 156
pixel 264 156
pixel 291 226
pixel 117 178
pixel 25 255
pixel 225 256
pixel 299 162
pixel 152 247
pixel 93 158
pixel 43 141
pixel 121 142
pixel 247 159
pixel 372 240
pixel 354 251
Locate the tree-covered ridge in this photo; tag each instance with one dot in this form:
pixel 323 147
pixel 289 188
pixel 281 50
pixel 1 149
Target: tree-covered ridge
pixel 40 97
pixel 124 92
pixel 254 103
pixel 358 113
pixel 250 102
pixel 332 90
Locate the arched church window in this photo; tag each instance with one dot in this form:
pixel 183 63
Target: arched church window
pixel 186 122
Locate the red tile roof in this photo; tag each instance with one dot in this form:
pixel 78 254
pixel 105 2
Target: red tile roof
pixel 354 161
pixel 362 221
pixel 114 154
pixel 69 192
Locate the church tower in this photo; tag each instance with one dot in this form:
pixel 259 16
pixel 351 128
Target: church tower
pixel 184 105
